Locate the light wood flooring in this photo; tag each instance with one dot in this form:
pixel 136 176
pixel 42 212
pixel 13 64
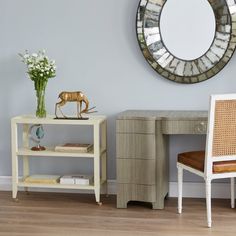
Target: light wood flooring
pixel 65 214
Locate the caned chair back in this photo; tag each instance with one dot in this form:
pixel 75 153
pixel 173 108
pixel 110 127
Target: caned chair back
pixel 224 133
pixel 221 135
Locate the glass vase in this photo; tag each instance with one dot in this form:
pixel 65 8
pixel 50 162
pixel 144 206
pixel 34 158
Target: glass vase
pixel 40 87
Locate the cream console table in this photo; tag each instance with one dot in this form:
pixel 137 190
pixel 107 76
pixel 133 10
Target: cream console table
pixel 98 154
pixel 142 152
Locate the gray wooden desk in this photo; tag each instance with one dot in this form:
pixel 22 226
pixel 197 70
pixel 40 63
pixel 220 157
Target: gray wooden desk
pixel 142 151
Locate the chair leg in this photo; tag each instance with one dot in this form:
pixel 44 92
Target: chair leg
pixel 208 201
pixel 180 188
pixel 232 183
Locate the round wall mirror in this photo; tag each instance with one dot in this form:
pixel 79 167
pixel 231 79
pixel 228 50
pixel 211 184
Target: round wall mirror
pixel 187 41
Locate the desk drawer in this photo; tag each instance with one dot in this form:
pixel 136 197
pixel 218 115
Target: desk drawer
pixel 184 126
pixel 135 126
pixel 136 171
pixel 138 146
pixel 136 192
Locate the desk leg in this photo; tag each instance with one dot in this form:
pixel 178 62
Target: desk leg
pixel 159 204
pixel 97 163
pixel 162 167
pixel 14 146
pixel 124 193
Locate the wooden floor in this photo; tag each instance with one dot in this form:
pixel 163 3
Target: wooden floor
pixel 76 214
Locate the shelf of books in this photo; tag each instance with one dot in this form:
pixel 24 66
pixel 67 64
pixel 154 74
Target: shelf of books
pixel 50 152
pixel 24 184
pixel 58 185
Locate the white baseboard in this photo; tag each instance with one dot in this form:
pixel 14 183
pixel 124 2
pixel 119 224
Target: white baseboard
pixel 197 190
pixel 191 190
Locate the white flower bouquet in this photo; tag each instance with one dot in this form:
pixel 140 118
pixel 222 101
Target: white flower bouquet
pixel 39 69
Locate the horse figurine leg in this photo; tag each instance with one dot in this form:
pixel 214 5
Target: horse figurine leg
pixel 59 105
pixel 56 110
pixel 79 107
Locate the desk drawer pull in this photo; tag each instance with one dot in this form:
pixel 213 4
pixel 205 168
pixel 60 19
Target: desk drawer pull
pixel 201 128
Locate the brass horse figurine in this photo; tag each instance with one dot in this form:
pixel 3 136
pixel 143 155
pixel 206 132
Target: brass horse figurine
pixel 77 97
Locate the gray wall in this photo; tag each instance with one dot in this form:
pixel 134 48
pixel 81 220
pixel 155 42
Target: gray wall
pixel 96 51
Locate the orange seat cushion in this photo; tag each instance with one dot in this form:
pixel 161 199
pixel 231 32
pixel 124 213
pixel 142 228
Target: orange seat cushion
pixel 196 160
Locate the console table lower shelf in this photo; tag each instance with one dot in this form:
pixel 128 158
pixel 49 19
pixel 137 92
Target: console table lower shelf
pixel 60 186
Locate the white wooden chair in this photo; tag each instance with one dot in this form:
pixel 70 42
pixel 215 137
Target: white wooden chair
pixel 219 159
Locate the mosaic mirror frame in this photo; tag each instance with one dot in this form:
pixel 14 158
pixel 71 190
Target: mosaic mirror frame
pixel 186 71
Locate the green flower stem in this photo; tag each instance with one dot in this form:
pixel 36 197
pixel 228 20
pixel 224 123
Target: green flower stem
pixel 40 86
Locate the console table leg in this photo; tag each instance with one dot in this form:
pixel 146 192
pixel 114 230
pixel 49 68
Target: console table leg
pixel 104 156
pixel 14 176
pixel 104 172
pixel 97 182
pixel 97 195
pixel 14 192
pixel 14 146
pixel 26 158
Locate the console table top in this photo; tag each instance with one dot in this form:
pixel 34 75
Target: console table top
pixel 163 115
pixel 50 119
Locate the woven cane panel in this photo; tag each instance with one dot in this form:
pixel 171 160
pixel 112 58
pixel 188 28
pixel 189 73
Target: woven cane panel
pixel 224 133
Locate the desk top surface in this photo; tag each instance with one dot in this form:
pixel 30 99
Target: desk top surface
pixel 163 115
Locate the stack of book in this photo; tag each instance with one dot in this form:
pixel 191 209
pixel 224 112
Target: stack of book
pixel 74 147
pixel 42 179
pixel 76 179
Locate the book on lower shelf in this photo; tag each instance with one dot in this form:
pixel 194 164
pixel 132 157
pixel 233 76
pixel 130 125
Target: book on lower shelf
pixel 42 179
pixel 74 147
pixel 76 179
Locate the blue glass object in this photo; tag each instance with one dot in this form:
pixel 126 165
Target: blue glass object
pixel 40 132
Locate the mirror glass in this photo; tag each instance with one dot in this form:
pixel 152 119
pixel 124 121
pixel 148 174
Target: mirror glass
pixel 186 32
